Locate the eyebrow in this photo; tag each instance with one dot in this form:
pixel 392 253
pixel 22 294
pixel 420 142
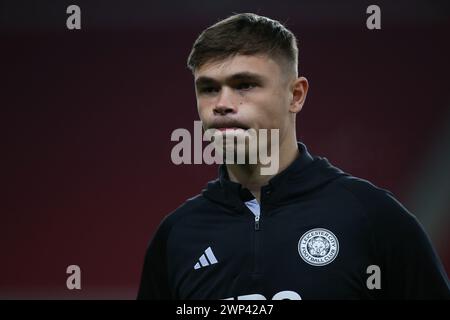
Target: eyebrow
pixel 247 76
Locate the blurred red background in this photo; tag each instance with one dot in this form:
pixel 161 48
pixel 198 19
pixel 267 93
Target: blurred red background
pixel 86 118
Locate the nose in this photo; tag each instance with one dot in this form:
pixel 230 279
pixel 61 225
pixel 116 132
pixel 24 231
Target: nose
pixel 224 104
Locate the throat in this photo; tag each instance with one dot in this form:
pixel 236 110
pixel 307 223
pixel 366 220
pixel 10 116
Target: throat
pixel 249 177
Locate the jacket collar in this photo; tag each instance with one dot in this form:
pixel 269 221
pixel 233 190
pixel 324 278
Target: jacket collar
pixel 305 173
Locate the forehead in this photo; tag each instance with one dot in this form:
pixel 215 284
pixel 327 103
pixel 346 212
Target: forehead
pixel 262 65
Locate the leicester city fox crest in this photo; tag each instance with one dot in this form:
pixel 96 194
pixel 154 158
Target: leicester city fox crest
pixel 318 247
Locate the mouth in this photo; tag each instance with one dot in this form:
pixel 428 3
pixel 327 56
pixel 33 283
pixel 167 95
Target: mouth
pixel 224 126
pixel 224 129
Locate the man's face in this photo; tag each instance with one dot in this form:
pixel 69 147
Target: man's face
pixel 244 91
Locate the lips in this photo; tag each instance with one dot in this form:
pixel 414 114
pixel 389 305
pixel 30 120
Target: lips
pixel 227 125
pixel 227 129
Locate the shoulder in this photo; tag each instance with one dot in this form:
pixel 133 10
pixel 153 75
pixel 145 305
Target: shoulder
pixel 408 259
pixel 190 207
pixel 379 204
pixel 394 227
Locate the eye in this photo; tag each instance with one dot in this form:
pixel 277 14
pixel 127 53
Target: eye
pixel 245 86
pixel 209 90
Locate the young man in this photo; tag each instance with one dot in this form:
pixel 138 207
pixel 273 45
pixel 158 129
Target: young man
pixel 307 231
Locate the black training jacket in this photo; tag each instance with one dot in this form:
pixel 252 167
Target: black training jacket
pixel 322 234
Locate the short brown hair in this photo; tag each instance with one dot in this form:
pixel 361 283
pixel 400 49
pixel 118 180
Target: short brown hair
pixel 247 34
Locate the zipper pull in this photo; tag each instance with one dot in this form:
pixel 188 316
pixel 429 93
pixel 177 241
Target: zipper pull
pixel 256 222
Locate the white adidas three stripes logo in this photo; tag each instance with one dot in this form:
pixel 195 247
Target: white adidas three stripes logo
pixel 206 259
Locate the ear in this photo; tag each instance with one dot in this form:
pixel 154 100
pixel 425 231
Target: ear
pixel 298 90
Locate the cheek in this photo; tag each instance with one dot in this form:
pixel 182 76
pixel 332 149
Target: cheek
pixel 271 112
pixel 202 108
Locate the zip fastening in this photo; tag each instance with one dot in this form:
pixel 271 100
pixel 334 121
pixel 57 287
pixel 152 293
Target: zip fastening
pixel 257 247
pixel 257 239
pixel 255 209
pixel 256 222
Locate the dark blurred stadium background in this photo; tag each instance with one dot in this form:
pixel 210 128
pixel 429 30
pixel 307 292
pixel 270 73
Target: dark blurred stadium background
pixel 86 118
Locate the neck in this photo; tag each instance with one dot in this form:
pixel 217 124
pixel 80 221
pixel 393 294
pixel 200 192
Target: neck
pixel 249 175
